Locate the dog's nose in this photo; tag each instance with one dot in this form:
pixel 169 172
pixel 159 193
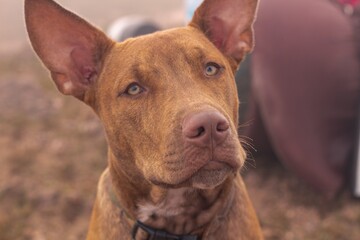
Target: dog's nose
pixel 205 129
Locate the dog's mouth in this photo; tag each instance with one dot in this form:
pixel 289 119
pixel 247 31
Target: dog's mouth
pixel 209 176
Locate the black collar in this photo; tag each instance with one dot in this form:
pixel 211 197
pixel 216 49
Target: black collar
pixel 154 234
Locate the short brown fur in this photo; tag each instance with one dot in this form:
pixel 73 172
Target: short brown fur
pixel 157 173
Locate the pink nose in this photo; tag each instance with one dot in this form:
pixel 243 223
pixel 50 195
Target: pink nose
pixel 205 129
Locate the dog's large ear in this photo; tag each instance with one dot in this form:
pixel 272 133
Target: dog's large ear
pixel 70 48
pixel 228 24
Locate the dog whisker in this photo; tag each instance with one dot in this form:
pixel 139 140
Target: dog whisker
pixel 245 124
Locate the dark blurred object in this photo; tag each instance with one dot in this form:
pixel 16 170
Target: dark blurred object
pixel 131 26
pixel 305 89
pixel 243 79
pixel 352 9
pixel 356 181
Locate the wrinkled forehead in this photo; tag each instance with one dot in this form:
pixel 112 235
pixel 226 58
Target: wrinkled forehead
pixel 177 46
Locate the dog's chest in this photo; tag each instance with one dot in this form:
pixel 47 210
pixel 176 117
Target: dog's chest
pixel 180 212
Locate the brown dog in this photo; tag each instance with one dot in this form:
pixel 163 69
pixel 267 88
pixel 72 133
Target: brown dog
pixel 169 106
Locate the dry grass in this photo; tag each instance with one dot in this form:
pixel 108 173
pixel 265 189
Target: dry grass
pixel 52 151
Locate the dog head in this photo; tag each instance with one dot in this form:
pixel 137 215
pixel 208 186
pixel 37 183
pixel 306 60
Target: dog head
pixel 168 100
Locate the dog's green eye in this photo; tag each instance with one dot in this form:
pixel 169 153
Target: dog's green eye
pixel 134 89
pixel 211 69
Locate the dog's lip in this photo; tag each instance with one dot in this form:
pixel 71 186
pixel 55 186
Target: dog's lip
pixel 212 165
pixel 233 163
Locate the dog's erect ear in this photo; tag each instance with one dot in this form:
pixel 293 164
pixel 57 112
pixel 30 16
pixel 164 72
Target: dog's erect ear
pixel 228 24
pixel 70 48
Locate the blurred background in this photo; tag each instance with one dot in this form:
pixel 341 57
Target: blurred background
pixel 53 149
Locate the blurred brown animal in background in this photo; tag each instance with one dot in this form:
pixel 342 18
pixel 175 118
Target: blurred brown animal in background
pixel 169 106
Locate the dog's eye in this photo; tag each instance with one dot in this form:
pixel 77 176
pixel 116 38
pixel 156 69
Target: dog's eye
pixel 211 69
pixel 134 89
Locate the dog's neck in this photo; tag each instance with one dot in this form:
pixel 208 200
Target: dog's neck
pixel 178 211
pixel 184 210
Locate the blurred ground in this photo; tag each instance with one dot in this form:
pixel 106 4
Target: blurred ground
pixel 53 150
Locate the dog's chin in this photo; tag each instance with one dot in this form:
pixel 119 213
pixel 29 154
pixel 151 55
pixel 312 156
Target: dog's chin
pixel 208 177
